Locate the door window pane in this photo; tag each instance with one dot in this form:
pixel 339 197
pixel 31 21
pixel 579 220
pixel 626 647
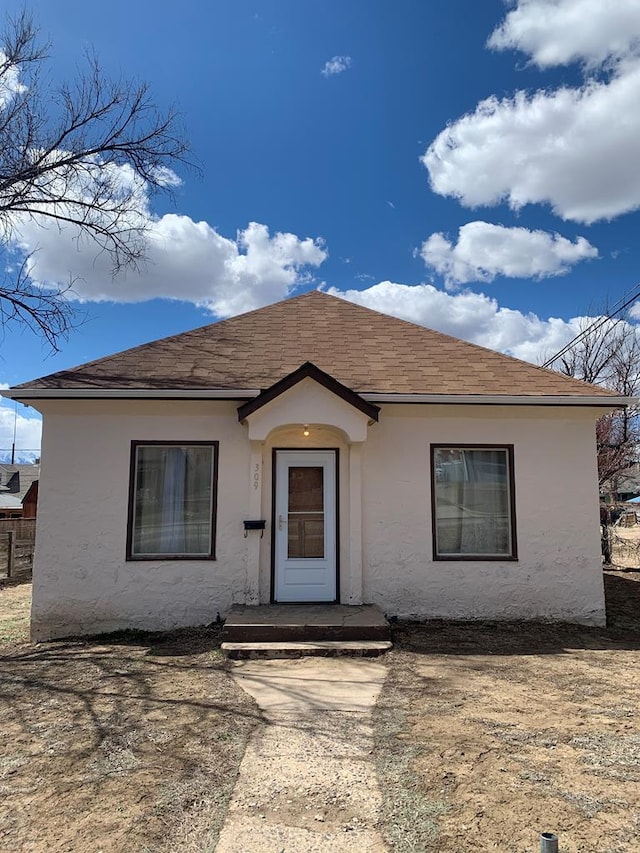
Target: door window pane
pixel 305 518
pixel 305 535
pixel 306 492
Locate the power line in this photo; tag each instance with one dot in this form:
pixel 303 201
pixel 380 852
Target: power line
pixel 598 323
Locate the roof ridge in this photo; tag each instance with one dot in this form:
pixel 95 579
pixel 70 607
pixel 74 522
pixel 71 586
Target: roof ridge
pixel 364 348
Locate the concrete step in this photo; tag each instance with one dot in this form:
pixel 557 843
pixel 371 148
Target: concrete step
pixel 303 623
pixel 322 648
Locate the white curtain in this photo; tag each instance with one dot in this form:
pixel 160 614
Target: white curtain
pixel 173 501
pixel 172 530
pixel 472 502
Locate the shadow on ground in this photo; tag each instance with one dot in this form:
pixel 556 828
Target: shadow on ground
pixel 133 739
pixel 622 591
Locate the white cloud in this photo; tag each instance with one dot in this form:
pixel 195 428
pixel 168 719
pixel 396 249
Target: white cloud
pixel 110 199
pixel 10 84
pixel 575 149
pixel 28 430
pixel 572 148
pixel 484 251
pixel 557 32
pixel 186 260
pixel 336 65
pixel 471 316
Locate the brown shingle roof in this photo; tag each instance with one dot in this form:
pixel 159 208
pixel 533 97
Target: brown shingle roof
pixel 363 349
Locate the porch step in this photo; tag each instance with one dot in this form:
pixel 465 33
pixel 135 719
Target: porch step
pixel 326 648
pixel 305 623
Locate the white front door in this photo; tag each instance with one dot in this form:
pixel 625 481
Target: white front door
pixel 305 525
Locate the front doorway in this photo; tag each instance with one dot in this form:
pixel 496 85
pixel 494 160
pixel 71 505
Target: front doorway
pixel 305 526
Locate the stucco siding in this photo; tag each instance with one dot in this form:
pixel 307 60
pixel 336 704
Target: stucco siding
pixel 83 583
pixel 558 573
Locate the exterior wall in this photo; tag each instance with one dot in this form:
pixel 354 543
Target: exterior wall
pixel 83 584
pixel 558 573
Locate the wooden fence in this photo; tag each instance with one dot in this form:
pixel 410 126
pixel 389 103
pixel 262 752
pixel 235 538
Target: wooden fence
pixel 24 528
pixel 16 549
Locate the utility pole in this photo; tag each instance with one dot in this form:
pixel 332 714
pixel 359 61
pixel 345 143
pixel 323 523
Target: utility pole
pixel 15 425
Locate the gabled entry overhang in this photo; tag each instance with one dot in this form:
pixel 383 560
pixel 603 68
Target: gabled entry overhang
pixel 309 370
pixel 312 397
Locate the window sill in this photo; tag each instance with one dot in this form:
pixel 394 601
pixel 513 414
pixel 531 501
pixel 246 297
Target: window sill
pixel 473 558
pixel 167 558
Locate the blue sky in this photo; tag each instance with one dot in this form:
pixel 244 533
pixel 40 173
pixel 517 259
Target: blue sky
pixel 377 149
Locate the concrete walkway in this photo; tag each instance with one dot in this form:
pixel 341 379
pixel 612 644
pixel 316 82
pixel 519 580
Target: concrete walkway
pixel 307 782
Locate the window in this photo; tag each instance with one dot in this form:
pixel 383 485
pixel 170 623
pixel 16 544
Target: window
pixel 473 502
pixel 172 500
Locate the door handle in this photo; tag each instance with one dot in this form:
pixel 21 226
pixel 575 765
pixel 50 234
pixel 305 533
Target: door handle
pixel 281 522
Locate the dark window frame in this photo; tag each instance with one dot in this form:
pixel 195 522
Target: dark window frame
pixel 135 444
pixel 513 556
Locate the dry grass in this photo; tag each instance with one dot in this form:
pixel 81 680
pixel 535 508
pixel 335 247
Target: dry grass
pixel 15 609
pixel 118 744
pixel 506 731
pixel 486 735
pixel 625 546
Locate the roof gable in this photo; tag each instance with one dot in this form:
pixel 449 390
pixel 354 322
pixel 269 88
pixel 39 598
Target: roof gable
pixel 361 349
pixel 308 371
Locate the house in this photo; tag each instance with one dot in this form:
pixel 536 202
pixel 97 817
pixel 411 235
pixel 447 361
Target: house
pixel 623 486
pixel 314 451
pixel 10 506
pixel 30 501
pixel 16 482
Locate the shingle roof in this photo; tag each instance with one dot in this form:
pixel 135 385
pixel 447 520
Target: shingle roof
pixel 8 501
pixel 16 479
pixel 363 349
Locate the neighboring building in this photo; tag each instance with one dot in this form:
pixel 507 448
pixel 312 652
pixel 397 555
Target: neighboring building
pixel 10 506
pixel 388 463
pixel 15 482
pixel 30 501
pixel 624 486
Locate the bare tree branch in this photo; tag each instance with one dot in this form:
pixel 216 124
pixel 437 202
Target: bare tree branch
pixel 46 312
pixel 87 156
pixel 609 354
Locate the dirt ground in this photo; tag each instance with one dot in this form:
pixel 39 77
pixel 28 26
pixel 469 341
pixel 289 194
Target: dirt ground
pixel 15 603
pixel 491 734
pixel 486 735
pixel 116 745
